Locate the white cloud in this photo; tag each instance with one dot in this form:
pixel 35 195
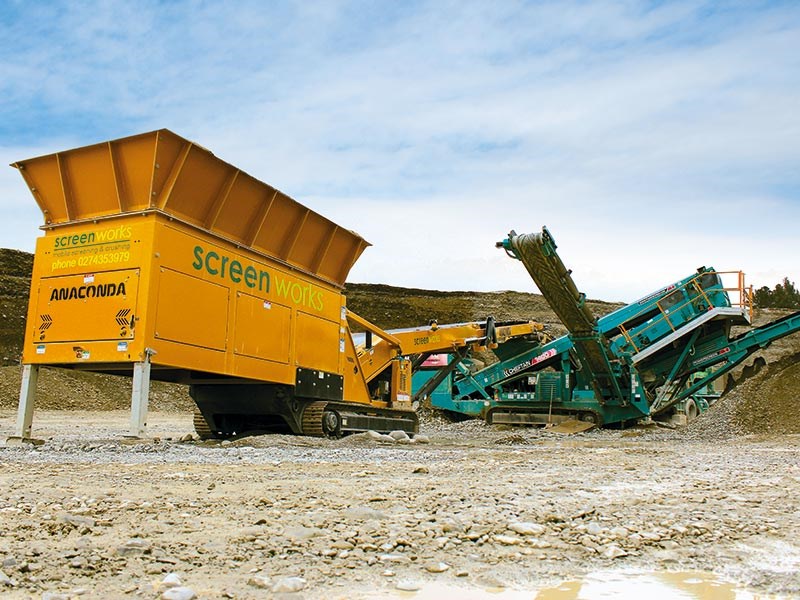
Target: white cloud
pixel 650 140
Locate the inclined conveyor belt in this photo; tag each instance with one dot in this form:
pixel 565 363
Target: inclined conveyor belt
pixel 537 251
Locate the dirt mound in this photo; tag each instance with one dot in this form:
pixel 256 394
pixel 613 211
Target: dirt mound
pixel 15 283
pixel 770 401
pixel 767 403
pixel 16 263
pixel 393 307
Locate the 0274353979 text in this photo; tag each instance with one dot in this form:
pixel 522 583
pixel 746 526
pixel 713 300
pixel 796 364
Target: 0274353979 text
pixel 87 260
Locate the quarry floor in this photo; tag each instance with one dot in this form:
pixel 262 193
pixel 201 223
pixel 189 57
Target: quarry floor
pixel 477 510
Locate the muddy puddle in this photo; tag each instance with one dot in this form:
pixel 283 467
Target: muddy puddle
pixel 692 585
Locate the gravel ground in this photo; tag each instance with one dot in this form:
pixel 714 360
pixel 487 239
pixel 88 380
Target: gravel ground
pixel 89 514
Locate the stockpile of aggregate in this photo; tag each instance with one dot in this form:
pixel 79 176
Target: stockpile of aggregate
pixel 768 403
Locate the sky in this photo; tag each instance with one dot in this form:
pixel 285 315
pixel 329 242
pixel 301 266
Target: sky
pixel 651 138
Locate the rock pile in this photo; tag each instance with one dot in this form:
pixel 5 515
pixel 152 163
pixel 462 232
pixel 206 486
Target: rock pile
pixel 765 404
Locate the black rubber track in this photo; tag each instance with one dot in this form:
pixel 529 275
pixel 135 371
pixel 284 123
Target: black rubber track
pixel 201 426
pixel 312 419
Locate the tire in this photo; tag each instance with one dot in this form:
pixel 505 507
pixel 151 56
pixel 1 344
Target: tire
pixel 691 410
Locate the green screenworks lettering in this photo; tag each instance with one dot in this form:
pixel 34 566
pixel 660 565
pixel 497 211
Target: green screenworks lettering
pixel 224 267
pixel 298 293
pixel 114 234
pixel 87 291
pixel 220 265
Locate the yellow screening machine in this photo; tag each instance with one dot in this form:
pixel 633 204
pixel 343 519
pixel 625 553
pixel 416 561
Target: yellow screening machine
pixel 160 260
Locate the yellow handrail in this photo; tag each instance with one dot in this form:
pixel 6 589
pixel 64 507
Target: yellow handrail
pixel 628 337
pixel 744 300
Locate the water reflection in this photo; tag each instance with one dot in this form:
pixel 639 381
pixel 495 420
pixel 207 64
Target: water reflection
pixel 652 586
pixel 617 585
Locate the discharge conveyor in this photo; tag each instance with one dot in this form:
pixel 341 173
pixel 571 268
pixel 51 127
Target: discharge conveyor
pixel 537 251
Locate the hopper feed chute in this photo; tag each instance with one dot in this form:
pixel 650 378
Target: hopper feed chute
pixel 161 171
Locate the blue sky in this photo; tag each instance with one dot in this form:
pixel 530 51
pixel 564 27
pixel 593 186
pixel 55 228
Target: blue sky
pixel 650 137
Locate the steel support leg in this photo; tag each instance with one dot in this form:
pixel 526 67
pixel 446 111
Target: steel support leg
pixel 27 395
pixel 139 399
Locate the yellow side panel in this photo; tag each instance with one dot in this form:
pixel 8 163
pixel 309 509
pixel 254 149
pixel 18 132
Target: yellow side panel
pixel 341 253
pixel 262 329
pixel 261 370
pixel 184 356
pixel 317 343
pixel 194 193
pixel 239 219
pixel 98 306
pixel 281 227
pixel 43 176
pixel 191 311
pixel 133 165
pixel 95 195
pixel 169 148
pixel 242 271
pixel 315 228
